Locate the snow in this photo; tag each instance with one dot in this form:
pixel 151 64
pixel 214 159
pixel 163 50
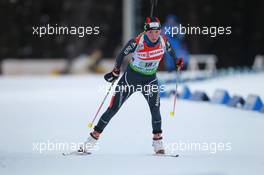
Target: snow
pixel 36 109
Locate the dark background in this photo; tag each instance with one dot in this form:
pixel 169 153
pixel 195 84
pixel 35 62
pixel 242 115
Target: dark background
pixel 238 49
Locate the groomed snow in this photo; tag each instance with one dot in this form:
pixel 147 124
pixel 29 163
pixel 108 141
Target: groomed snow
pixel 57 109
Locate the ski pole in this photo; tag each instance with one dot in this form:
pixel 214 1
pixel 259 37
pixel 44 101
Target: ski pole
pixel 175 96
pixel 153 4
pixel 90 125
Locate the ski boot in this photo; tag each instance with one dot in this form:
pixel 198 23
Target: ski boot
pixel 158 146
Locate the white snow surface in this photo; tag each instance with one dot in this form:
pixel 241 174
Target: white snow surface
pixel 42 109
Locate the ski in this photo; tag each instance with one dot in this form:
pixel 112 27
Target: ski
pixel 166 155
pixel 77 153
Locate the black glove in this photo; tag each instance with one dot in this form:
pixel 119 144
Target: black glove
pixel 112 76
pixel 179 63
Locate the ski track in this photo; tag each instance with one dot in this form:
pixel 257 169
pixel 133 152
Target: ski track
pixel 57 109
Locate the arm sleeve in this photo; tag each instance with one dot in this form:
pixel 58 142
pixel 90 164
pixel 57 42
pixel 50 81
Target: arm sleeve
pixel 170 50
pixel 129 48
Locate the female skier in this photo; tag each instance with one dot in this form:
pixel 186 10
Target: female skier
pixel 147 50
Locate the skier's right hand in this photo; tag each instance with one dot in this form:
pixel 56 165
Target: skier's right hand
pixel 179 63
pixel 112 76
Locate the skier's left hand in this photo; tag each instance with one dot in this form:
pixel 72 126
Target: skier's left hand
pixel 179 63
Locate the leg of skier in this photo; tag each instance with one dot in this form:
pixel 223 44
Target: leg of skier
pixel 123 91
pixel 151 94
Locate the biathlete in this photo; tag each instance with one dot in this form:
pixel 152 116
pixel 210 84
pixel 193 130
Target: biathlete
pixel 147 51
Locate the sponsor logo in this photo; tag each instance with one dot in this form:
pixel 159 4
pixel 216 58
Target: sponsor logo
pixel 150 54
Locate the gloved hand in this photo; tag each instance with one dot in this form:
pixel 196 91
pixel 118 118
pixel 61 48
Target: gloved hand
pixel 110 77
pixel 179 63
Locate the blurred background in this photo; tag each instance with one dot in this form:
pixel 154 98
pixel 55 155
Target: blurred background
pixel 21 52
